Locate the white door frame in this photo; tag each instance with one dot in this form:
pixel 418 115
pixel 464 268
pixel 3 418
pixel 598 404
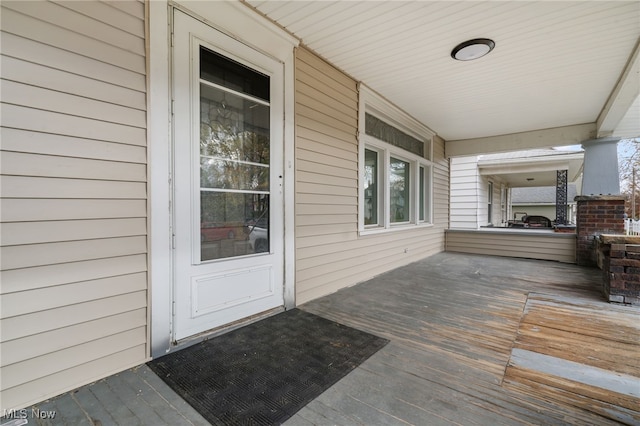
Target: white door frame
pixel 244 24
pixel 212 292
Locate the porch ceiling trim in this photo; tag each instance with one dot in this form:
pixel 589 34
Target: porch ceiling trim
pixel 546 138
pixel 543 169
pixel 548 166
pixel 624 95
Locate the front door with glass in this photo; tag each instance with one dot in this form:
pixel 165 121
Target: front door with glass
pixel 227 198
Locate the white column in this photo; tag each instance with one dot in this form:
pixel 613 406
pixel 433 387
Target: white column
pixel 600 176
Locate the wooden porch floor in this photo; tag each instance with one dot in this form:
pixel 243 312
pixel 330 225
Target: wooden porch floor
pixel 480 340
pixel 475 340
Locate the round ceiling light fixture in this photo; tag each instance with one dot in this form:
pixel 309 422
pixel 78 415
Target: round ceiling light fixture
pixel 472 49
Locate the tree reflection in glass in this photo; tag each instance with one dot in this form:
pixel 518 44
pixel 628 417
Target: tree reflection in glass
pixel 234 173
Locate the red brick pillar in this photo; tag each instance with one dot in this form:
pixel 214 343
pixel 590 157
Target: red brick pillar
pixel 620 268
pixel 597 214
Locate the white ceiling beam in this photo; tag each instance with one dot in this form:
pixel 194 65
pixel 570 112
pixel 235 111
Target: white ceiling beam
pixel 546 166
pixel 622 97
pixel 546 138
pixel 549 166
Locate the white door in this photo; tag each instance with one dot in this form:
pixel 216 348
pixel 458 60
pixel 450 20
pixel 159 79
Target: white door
pixel 227 184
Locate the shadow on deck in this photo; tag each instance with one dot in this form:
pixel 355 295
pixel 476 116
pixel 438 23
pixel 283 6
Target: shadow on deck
pixel 474 340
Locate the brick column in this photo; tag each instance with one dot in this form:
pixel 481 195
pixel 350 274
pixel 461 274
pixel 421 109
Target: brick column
pixel 597 214
pixel 620 259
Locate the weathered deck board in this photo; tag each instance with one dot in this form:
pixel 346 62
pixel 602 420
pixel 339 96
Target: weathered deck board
pixel 554 396
pixel 453 321
pixel 580 351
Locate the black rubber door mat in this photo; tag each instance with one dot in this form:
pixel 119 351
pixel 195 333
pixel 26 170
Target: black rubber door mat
pixel 263 373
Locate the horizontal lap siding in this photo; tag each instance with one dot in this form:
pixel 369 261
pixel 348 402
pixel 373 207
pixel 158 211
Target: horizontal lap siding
pixel 73 245
pixel 559 247
pixel 330 254
pixel 465 193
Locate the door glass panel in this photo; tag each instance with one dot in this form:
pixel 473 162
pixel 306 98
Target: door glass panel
pixel 233 75
pixel 234 159
pixel 233 127
pixel 233 224
pixel 228 174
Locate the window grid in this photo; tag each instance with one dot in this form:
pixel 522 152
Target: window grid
pixel 392 133
pixel 401 197
pixel 371 188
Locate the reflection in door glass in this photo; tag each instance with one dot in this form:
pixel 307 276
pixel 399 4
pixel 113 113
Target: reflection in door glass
pixel 234 159
pixel 225 72
pixel 217 173
pixel 233 224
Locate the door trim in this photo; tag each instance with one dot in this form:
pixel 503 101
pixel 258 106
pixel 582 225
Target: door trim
pixel 269 39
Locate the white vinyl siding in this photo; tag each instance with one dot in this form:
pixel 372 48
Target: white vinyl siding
pixel 470 195
pixel 330 254
pixel 465 193
pixel 74 195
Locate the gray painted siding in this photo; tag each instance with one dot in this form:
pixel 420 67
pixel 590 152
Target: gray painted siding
pixel 330 254
pixel 526 244
pixel 74 214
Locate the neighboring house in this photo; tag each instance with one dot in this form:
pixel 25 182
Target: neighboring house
pixel 541 201
pixel 482 187
pixel 173 169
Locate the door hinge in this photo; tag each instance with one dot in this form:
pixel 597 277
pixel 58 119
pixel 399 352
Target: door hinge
pixel 173 309
pixel 172 33
pixel 173 241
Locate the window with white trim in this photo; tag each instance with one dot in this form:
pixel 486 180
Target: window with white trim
pixel 396 172
pixel 490 203
pixel 503 204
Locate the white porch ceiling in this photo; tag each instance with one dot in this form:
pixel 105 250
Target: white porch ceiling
pixel 532 168
pixel 555 64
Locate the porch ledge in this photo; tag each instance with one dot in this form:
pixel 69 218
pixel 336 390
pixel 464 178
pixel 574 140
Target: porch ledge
pixel 517 231
pixel 544 244
pixel 619 239
pixel 600 197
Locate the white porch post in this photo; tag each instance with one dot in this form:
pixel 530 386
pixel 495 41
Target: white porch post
pixel 600 176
